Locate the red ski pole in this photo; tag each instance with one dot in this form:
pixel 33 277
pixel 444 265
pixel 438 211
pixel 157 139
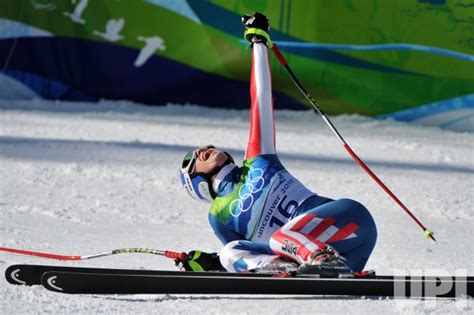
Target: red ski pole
pixel 284 63
pixel 166 253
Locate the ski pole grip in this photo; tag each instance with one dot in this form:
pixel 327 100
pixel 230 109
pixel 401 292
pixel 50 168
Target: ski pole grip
pixel 279 55
pixel 175 255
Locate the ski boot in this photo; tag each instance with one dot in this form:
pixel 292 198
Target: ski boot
pixel 325 263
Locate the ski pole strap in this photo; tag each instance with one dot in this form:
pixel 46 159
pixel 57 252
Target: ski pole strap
pixel 260 32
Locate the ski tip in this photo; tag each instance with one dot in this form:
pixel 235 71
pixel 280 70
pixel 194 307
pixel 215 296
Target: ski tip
pixel 429 234
pixel 13 275
pixel 49 281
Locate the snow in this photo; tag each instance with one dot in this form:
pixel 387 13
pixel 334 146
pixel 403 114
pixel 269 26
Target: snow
pixel 82 178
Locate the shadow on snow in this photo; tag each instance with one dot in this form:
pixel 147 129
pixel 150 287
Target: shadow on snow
pixel 59 150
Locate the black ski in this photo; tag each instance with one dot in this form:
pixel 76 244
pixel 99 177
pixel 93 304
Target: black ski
pixel 217 283
pixel 31 274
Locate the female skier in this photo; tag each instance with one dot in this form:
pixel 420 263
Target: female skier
pixel 267 220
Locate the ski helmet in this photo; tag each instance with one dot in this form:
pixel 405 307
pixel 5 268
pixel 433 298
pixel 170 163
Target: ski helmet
pixel 199 185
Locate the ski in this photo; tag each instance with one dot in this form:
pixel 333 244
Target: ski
pixel 217 283
pixel 31 274
pixel 102 279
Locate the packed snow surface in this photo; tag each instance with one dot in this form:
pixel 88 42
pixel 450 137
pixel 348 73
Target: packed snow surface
pixel 82 178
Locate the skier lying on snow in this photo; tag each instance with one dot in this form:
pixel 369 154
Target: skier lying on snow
pixel 267 219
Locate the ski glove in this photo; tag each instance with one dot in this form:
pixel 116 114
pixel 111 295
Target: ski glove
pixel 196 260
pixel 257 28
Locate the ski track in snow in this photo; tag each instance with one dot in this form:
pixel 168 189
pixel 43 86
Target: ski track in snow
pixel 82 178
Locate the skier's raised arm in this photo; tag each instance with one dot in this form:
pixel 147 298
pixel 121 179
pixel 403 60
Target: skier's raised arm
pixel 262 126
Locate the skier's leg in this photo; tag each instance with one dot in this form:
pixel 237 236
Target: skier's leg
pixel 357 232
pixel 244 255
pixel 344 224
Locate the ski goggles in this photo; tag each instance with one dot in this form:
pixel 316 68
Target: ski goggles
pixel 189 161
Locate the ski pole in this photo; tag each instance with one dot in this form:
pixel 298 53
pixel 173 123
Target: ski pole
pixel 284 63
pixel 166 253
